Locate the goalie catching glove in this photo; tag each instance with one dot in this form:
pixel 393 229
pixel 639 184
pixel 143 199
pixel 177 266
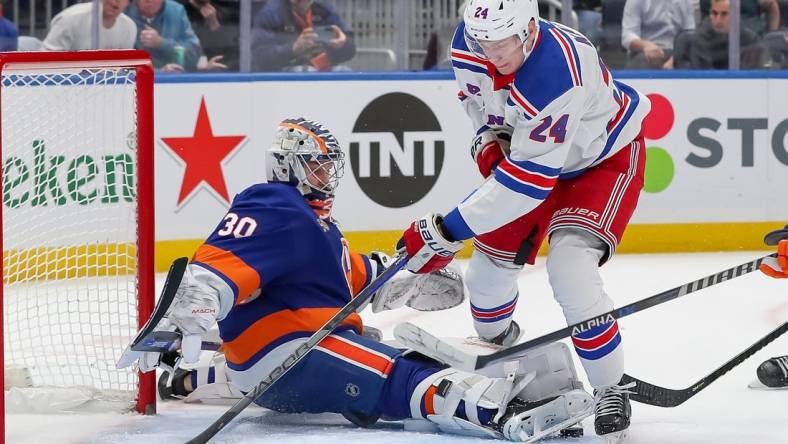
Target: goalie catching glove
pixel 194 310
pixel 439 290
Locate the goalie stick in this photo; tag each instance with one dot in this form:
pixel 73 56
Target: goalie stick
pixel 161 341
pixel 301 351
pixel 664 397
pixel 473 363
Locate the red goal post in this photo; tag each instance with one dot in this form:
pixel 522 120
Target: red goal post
pixel 78 220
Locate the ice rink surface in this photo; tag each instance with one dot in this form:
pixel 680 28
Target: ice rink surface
pixel 672 345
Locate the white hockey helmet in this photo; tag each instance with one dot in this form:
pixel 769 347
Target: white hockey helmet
pixel 494 20
pixel 306 155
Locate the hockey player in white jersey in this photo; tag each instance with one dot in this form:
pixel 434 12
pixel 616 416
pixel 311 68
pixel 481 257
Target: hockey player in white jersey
pixel 559 143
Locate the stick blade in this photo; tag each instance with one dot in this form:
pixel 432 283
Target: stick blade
pixel 171 284
pixel 646 393
pixel 423 342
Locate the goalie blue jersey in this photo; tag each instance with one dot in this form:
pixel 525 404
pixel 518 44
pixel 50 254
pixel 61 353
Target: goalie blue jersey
pixel 289 272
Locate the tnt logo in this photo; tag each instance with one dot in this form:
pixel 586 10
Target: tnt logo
pixel 396 150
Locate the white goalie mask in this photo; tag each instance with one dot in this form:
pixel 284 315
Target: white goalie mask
pixel 498 20
pixel 306 155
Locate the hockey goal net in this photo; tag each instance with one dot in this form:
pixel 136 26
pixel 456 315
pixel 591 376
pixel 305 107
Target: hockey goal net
pixel 77 219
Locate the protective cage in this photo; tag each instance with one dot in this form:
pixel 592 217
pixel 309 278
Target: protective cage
pixel 77 215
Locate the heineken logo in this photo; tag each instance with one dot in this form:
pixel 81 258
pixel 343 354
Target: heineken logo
pixel 55 179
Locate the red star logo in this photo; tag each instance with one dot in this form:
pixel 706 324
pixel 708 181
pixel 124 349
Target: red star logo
pixel 203 154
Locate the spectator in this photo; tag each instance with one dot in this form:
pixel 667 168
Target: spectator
pixel 72 28
pixel 300 35
pixel 438 45
pixel 8 32
pixel 33 17
pixel 649 27
pixel 589 19
pixel 165 31
pixel 216 24
pixel 709 48
pixel 759 16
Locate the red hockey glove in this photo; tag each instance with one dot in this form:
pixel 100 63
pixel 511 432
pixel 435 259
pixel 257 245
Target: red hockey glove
pixel 777 267
pixel 488 149
pixel 427 246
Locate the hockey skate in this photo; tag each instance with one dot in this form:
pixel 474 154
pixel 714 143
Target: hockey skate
pixel 509 336
pixel 613 411
pixel 772 374
pixel 172 386
pixel 207 382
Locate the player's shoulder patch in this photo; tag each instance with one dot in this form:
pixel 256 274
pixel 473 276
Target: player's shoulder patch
pixel 552 69
pixel 462 57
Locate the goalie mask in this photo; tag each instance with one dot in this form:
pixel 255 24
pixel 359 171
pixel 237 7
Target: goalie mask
pixel 499 23
pixel 306 155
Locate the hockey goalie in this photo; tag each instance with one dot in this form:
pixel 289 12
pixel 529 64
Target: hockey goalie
pixel 277 267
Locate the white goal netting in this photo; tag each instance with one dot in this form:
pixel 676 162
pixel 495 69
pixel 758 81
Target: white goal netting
pixel 70 227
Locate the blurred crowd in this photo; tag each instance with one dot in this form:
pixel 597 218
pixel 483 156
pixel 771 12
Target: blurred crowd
pixel 341 35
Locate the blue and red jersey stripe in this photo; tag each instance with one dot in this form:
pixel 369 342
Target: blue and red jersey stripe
pixel 526 177
pixel 494 314
pixel 597 342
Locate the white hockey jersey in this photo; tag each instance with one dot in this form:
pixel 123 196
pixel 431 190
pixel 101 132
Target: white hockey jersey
pixel 565 114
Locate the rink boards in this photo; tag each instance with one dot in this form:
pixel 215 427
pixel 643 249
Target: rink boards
pixel 716 175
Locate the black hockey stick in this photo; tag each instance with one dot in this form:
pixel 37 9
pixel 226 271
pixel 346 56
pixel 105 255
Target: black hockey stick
pixel 481 361
pixel 664 397
pixel 171 284
pixel 301 351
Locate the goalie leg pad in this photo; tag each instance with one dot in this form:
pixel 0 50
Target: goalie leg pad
pixel 442 392
pixel 529 422
pixel 210 384
pixel 489 407
pixel 552 364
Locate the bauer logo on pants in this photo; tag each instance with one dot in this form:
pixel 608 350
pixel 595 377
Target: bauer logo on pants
pixel 396 150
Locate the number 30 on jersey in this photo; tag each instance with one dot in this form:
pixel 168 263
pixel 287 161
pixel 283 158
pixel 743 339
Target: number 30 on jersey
pixel 237 226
